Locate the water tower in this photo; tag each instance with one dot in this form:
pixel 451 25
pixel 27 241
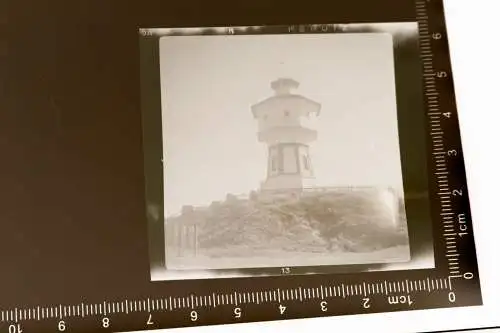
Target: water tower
pixel 285 125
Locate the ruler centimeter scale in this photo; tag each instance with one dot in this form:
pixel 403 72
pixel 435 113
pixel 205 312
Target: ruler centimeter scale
pixel 444 133
pixel 339 297
pixel 395 294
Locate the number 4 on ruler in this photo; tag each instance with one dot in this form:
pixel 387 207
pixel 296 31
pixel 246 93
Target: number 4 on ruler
pixel 282 309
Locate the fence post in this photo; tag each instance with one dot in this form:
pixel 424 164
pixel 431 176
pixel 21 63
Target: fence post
pixel 195 240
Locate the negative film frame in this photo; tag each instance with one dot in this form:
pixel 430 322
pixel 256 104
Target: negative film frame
pixel 412 127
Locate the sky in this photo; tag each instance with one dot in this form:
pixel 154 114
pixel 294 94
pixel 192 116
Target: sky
pixel 209 83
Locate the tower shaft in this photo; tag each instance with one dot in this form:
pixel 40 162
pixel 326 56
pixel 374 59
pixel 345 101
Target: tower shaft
pixel 285 126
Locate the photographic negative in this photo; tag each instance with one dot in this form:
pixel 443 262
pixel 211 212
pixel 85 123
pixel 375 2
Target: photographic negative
pixel 281 151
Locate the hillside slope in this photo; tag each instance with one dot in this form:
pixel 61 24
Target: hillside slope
pixel 332 222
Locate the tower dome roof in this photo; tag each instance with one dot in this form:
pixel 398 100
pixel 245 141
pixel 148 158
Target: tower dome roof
pixel 282 86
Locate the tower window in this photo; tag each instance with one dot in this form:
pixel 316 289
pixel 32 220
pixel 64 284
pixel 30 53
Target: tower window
pixel 305 161
pixel 273 163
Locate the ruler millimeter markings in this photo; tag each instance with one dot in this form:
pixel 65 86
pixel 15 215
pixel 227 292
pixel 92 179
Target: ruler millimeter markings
pixel 444 137
pixel 393 293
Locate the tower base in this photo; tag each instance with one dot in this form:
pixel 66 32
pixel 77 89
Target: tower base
pixel 287 182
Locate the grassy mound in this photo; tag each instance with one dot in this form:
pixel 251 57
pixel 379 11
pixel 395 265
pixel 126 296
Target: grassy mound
pixel 336 221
